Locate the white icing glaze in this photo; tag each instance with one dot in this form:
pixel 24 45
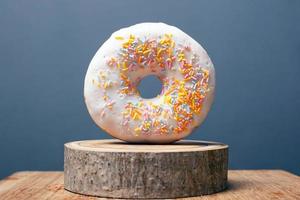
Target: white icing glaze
pixel 109 108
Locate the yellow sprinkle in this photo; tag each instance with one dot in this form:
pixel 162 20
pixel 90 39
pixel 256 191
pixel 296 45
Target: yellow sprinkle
pixel 180 59
pixel 146 125
pixel 181 55
pixel 159 52
pixel 124 65
pixel 182 94
pixel 139 46
pixel 105 85
pixel 155 107
pixel 169 35
pixel 119 38
pixel 147 51
pixel 172 44
pixel 135 116
pixel 132 37
pixel 118 65
pixel 164 114
pixel 167 99
pixel 206 72
pixel 170 51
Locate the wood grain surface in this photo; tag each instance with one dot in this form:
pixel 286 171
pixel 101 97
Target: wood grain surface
pixel 116 169
pixel 243 184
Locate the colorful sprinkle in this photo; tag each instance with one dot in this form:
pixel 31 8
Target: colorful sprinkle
pixel 182 99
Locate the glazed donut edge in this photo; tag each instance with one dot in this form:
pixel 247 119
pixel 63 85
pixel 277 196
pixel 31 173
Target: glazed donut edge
pixel 109 114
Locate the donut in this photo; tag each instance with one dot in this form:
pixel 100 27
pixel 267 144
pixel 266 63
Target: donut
pixel 130 54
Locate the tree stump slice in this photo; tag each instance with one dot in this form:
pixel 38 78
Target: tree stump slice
pixel 116 169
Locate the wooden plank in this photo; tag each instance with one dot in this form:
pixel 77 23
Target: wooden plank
pixel 243 184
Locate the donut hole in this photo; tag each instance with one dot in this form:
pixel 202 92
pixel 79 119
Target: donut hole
pixel 149 87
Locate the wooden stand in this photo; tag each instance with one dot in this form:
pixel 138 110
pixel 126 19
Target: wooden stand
pixel 113 168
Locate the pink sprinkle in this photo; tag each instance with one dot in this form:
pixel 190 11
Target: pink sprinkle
pixel 102 113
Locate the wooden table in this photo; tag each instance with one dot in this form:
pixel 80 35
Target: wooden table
pixel 243 184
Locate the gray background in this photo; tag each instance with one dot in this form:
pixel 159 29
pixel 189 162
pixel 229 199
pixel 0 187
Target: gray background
pixel 46 46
